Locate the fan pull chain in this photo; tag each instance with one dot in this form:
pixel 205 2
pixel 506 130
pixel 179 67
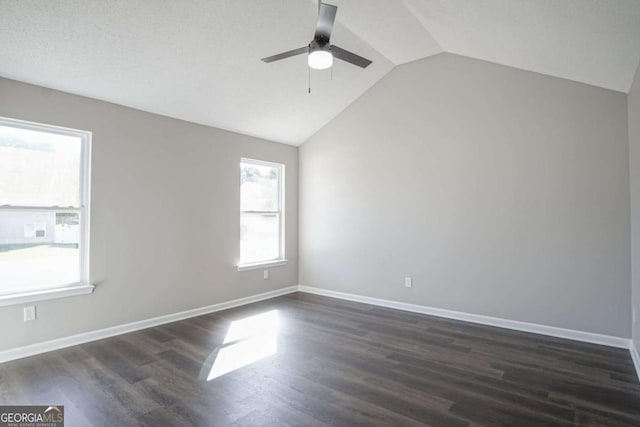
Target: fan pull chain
pixel 309 70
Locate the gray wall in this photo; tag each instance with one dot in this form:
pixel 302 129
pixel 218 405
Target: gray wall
pixel 164 215
pixel 501 192
pixel 634 163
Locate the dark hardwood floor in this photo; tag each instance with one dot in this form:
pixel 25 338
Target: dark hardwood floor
pixel 332 362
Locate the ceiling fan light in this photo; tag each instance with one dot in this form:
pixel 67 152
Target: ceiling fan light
pixel 320 59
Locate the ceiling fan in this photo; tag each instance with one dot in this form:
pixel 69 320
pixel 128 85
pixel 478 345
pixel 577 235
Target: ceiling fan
pixel 320 51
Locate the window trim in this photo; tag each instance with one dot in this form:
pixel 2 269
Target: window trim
pixel 281 260
pixel 46 294
pixel 68 289
pixel 259 265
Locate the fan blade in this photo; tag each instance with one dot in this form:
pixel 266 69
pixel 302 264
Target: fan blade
pixel 287 54
pixel 326 17
pixel 349 57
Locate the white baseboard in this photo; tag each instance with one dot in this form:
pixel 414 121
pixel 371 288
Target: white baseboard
pixel 608 340
pixel 43 347
pixel 635 357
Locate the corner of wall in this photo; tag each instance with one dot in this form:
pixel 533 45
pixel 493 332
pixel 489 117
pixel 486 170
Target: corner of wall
pixel 633 121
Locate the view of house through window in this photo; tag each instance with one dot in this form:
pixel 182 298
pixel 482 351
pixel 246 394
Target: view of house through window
pixel 261 217
pixel 42 205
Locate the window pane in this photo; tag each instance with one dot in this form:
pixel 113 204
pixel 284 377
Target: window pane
pixel 38 250
pixel 259 188
pixel 259 237
pixel 39 168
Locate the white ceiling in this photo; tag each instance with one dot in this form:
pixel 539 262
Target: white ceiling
pixel 199 60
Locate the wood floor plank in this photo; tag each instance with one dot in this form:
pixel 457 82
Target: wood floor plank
pixel 330 362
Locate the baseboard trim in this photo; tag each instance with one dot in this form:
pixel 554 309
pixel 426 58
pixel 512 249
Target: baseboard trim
pixel 44 347
pixel 635 357
pixel 58 343
pixel 608 340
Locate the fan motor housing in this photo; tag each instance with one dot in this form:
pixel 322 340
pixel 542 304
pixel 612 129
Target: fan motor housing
pixel 316 45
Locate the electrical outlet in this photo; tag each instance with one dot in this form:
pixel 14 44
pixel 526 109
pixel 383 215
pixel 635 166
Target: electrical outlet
pixel 266 274
pixel 30 313
pixel 408 282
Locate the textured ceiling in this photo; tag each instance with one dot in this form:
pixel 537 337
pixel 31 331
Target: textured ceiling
pixel 199 60
pixel 591 41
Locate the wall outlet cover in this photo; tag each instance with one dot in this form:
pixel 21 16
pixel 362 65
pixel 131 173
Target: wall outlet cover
pixel 30 313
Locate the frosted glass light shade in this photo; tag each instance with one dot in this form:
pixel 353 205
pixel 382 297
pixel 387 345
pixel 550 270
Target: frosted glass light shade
pixel 320 59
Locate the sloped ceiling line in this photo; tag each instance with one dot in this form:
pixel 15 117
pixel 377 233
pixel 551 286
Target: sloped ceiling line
pixel 125 52
pixel 407 4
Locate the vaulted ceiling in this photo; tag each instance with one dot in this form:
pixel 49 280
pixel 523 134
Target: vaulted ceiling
pixel 199 60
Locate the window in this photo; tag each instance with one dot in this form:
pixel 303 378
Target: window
pixel 44 186
pixel 261 213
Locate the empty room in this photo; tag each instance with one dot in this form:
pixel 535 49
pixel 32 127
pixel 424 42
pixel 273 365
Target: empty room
pixel 309 213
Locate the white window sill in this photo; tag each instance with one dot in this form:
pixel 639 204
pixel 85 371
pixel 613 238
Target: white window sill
pixel 259 265
pixel 45 294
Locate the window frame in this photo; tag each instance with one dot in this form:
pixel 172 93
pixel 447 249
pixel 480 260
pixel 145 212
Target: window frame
pixel 281 260
pixel 83 286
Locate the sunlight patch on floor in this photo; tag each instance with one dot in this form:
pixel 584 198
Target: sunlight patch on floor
pixel 247 341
